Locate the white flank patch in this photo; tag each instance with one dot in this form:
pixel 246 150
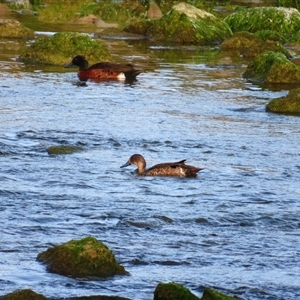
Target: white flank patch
pixel 121 76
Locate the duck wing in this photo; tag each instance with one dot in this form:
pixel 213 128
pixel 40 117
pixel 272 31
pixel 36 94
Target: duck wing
pixel 127 69
pixel 166 169
pixel 178 169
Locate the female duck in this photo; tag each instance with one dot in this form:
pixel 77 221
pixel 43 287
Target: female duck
pixel 177 169
pixel 102 70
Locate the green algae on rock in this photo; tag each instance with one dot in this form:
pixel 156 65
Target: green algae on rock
pixel 63 46
pixel 210 294
pixel 184 24
pixel 173 291
pixel 289 105
pixel 249 45
pixel 63 149
pixel 85 258
pixel 285 21
pixel 14 29
pixel 273 67
pixel 26 294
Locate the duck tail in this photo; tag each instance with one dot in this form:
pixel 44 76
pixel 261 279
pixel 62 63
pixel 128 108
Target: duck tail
pixel 192 171
pixel 132 74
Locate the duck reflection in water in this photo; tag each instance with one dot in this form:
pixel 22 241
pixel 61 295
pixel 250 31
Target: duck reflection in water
pixel 176 169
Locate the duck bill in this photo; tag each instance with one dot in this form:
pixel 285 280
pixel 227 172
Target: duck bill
pixel 70 65
pixel 126 164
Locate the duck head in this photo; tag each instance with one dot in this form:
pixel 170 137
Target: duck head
pixel 79 61
pixel 138 160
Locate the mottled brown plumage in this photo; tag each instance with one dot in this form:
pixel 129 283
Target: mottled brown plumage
pixel 177 169
pixel 102 70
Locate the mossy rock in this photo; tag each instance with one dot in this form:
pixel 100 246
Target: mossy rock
pixel 141 27
pixel 14 29
pixel 289 104
pixel 173 291
pixel 210 294
pixel 273 67
pixel 285 21
pixel 63 149
pixel 185 24
pixel 85 258
pixel 249 45
pixel 26 294
pixel 60 48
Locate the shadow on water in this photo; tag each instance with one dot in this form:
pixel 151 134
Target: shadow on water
pixel 235 227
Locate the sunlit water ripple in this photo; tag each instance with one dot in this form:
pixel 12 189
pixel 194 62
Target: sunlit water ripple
pixel 234 228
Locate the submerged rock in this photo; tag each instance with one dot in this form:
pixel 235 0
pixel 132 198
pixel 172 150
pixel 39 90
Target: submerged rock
pixel 273 67
pixel 173 291
pixel 289 104
pixel 247 44
pixel 10 28
pixel 184 24
pixel 63 149
pixel 83 258
pixel 63 46
pixel 285 21
pixel 26 294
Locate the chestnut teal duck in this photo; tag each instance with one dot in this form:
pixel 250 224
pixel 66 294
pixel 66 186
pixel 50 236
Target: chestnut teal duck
pixel 102 70
pixel 176 169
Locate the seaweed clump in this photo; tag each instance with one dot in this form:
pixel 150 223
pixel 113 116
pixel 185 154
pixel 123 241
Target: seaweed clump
pixel 63 149
pixel 284 21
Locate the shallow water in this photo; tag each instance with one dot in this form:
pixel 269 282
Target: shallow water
pixel 235 227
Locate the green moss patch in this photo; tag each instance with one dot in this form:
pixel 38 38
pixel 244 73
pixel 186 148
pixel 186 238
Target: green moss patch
pixel 289 105
pixel 82 259
pixel 23 295
pixel 173 291
pixel 273 67
pixel 249 45
pixel 60 48
pixel 285 21
pixel 63 149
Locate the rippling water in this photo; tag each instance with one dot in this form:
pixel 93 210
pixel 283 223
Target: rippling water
pixel 235 227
